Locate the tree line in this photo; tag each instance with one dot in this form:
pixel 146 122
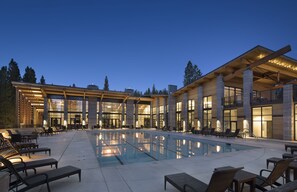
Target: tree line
pixel 11 73
pixel 8 74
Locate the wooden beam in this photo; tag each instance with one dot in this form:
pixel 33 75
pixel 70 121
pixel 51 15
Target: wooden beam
pixel 265 59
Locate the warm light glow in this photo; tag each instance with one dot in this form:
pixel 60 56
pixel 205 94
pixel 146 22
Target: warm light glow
pixel 184 141
pixel 136 123
pixel 123 122
pixel 123 136
pixel 44 123
pixel 100 123
pixel 100 136
pixel 218 125
pixel 83 122
pixel 184 125
pixel 218 148
pixel 199 124
pixel 198 144
pixel 136 135
pixel 280 63
pixel 35 95
pixel 65 123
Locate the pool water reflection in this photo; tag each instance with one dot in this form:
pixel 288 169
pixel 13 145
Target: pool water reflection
pixel 119 147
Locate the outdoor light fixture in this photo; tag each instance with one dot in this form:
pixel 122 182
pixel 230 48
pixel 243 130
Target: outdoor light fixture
pixel 44 123
pixel 199 124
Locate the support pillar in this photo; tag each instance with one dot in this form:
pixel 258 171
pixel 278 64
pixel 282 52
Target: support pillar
pixel 247 93
pixel 288 113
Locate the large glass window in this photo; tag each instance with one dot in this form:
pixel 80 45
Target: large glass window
pixel 262 122
pixel 230 119
pixel 207 102
pixel 191 109
pixel 295 121
pixel 56 104
pixel 207 111
pixel 144 111
pixel 74 106
pixel 111 115
pixel 178 115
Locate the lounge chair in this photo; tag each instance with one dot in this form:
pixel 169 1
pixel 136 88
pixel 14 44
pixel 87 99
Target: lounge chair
pixel 220 181
pixel 288 187
pixel 30 182
pixel 222 134
pixel 271 180
pixel 21 165
pixel 20 144
pixel 233 134
pixel 26 151
pixel 290 145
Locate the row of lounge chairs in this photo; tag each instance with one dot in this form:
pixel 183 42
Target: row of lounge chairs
pixel 222 179
pixel 211 131
pixel 12 151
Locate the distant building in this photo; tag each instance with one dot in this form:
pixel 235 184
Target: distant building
pixel 254 92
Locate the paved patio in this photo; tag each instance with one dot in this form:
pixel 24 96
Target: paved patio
pixel 74 148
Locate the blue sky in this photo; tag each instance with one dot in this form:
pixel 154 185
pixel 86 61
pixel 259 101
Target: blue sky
pixel 138 43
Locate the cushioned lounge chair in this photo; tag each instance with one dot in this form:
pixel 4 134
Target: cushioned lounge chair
pixel 26 151
pixel 222 134
pixel 20 144
pixel 21 165
pixel 271 180
pixel 220 181
pixel 288 187
pixel 233 134
pixel 290 145
pixel 29 182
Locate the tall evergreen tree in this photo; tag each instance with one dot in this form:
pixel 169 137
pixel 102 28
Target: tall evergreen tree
pixel 13 75
pixel 147 92
pixel 42 80
pixel 192 73
pixel 154 90
pixel 3 96
pixel 29 76
pixel 106 85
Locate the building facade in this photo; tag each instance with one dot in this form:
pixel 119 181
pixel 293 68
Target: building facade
pixel 254 92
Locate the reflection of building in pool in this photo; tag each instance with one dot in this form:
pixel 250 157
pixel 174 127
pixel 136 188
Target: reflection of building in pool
pixel 255 92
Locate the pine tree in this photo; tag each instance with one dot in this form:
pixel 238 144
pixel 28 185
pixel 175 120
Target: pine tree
pixel 192 73
pixel 29 76
pixel 147 92
pixel 3 96
pixel 42 80
pixel 154 90
pixel 13 75
pixel 106 85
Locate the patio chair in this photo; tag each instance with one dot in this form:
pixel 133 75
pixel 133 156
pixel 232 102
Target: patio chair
pixel 26 151
pixel 220 181
pixel 277 172
pixel 290 145
pixel 288 187
pixel 233 134
pixel 222 134
pixel 21 144
pixel 20 165
pixel 25 183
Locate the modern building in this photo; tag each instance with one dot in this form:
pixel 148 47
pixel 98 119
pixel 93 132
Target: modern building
pixel 254 92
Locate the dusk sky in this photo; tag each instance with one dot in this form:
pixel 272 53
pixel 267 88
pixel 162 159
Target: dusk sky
pixel 138 43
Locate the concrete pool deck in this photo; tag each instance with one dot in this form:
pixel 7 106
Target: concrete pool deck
pixel 74 148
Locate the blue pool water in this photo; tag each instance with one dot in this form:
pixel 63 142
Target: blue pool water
pixel 120 147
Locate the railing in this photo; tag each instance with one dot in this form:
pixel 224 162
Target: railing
pixel 233 101
pixel 267 97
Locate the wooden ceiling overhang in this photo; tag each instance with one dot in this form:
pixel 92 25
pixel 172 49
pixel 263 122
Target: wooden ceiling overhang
pixel 270 68
pixel 35 93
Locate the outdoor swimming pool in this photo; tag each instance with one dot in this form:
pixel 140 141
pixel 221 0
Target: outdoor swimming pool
pixel 120 147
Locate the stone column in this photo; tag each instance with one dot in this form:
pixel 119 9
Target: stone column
pixel 247 93
pixel 158 112
pixel 45 112
pixel 165 112
pixel 100 113
pixel 200 107
pixel 65 110
pixel 84 109
pixel 92 106
pixel 130 112
pixel 220 107
pixel 288 113
pixel 123 114
pixel 184 113
pixel 136 115
pixel 171 106
pixel 151 114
